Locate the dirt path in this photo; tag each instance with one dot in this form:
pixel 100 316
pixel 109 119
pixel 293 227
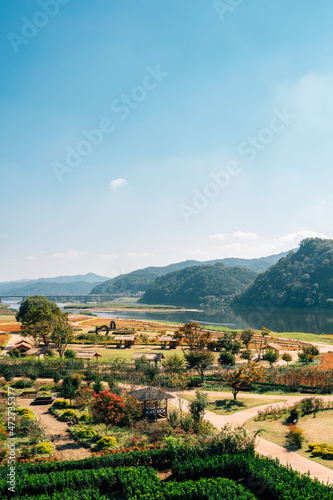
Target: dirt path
pixel 266 448
pixel 66 448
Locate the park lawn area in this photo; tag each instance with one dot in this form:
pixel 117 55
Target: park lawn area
pixel 316 430
pixel 227 406
pixel 306 337
pixel 114 352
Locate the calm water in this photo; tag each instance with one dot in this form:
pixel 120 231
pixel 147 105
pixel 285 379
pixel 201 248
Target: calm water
pixel 278 321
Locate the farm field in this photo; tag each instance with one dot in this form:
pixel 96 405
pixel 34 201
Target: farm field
pixel 316 430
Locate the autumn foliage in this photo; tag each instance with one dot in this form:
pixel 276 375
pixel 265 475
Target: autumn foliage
pixel 108 408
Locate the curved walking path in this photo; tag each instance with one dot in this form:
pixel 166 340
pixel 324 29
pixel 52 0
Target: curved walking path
pixel 66 448
pixel 264 447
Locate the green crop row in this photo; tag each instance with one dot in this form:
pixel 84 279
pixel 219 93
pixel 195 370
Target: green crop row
pixel 267 478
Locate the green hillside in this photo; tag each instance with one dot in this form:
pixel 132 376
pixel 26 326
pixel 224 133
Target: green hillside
pixel 194 286
pixel 139 281
pixel 303 279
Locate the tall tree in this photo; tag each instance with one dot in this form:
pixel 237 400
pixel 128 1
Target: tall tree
pixel 193 335
pixel 37 316
pixel 246 374
pixel 62 333
pixel 199 361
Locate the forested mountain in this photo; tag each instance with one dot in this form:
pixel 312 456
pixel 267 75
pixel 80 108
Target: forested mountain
pixel 141 280
pixel 193 286
pixel 303 279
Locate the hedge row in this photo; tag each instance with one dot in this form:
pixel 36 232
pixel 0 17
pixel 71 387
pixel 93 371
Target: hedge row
pixel 267 478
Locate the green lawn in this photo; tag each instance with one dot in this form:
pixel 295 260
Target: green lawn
pixel 227 406
pixel 316 430
pixel 113 352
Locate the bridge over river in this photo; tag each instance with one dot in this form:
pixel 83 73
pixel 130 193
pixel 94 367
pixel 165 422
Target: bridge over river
pixel 62 298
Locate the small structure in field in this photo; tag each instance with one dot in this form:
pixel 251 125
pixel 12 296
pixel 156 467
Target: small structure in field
pixel 128 340
pixel 151 400
pixel 149 358
pixel 168 339
pixel 23 346
pixel 88 355
pixel 35 351
pixel 275 347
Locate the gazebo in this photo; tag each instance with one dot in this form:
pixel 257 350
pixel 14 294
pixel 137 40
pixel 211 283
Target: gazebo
pixel 151 401
pixel 88 355
pixel 170 340
pixel 23 346
pixel 127 339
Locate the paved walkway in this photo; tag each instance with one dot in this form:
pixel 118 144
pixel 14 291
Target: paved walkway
pixel 264 447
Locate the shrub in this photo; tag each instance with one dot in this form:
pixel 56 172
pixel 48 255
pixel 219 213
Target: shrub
pixel 85 417
pixel 186 423
pixel 68 415
pixel 205 427
pixel 173 418
pixel 60 404
pixel 44 448
pixel 15 353
pixel 322 450
pixel 107 408
pixel 295 436
pixel 85 432
pixel 70 354
pixel 106 442
pixel 227 358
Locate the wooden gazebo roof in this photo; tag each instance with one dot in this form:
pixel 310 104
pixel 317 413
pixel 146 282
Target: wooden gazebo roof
pixel 167 338
pixel 87 354
pixel 124 337
pixel 150 394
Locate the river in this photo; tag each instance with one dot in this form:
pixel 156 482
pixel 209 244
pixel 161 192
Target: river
pixel 276 320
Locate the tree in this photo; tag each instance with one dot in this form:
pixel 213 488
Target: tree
pixel 193 335
pixel 133 410
pixel 308 353
pixel 37 316
pixel 246 337
pixel 179 382
pixel 84 398
pixel 145 339
pixel 98 386
pixel 199 361
pixel 70 354
pixel 287 357
pixel 226 358
pixel 173 364
pixel 197 408
pixel 107 408
pixel 62 333
pixel 247 354
pixel 70 386
pixel 245 375
pixel 271 356
pixel 229 342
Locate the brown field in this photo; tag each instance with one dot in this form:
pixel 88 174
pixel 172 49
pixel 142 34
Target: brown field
pixel 326 362
pixel 10 327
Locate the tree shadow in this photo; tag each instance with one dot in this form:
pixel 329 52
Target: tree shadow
pixel 229 404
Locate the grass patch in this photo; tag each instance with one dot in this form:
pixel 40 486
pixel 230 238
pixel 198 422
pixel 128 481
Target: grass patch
pixel 316 430
pixel 227 406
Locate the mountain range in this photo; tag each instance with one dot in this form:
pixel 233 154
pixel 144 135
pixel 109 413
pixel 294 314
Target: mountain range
pixel 61 285
pixel 137 282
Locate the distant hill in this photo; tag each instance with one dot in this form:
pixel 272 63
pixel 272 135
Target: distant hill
pixel 139 281
pixel 303 279
pixel 198 285
pixel 61 285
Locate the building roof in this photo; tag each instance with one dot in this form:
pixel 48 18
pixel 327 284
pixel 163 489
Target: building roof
pixel 149 357
pixel 23 342
pixel 276 347
pixel 35 351
pixel 124 337
pixel 87 354
pixel 167 338
pixel 150 394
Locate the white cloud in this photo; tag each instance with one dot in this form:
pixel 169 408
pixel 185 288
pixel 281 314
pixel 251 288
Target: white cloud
pixel 245 236
pixel 298 236
pixel 118 183
pixel 140 255
pixel 109 256
pixel 71 254
pixel 218 237
pixel 31 258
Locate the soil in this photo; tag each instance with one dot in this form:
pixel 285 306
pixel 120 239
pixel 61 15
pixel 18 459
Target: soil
pixel 66 448
pixel 326 362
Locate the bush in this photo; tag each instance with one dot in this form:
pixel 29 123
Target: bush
pixel 322 450
pixel 70 354
pixel 85 417
pixel 227 358
pixel 68 415
pixel 173 418
pixel 186 423
pixel 106 442
pixel 15 353
pixel 44 448
pixel 59 404
pixel 295 436
pixel 85 432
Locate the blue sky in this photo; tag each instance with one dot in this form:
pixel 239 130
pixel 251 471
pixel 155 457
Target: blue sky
pixel 118 117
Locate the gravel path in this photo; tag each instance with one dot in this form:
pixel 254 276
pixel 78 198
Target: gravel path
pixel 66 448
